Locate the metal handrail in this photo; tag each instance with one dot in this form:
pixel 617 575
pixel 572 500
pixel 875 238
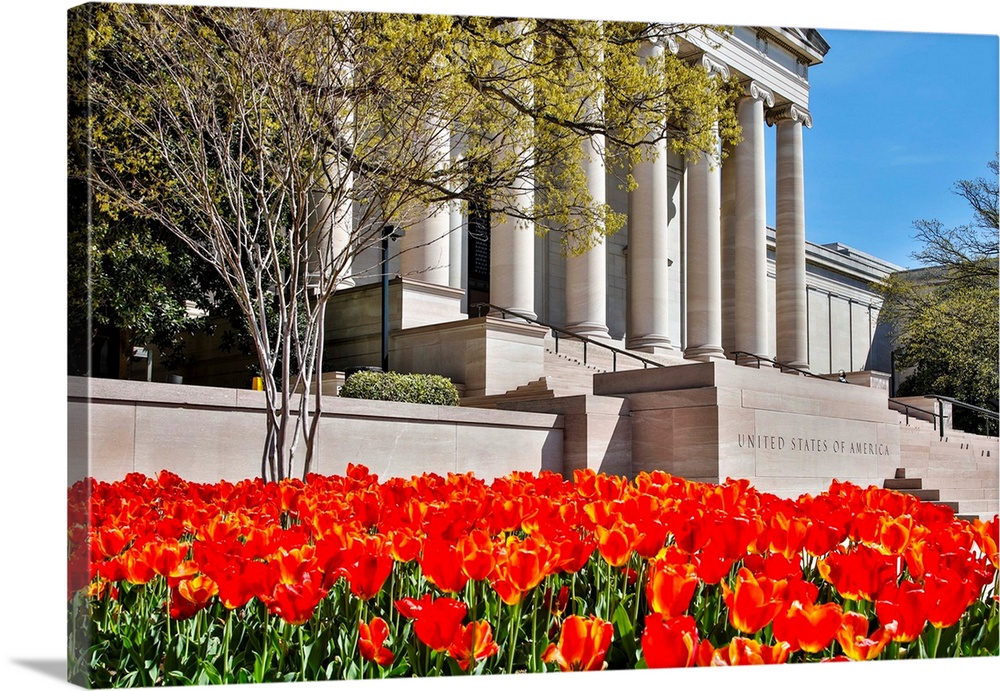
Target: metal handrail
pixel 907 407
pixel 783 366
pixel 986 412
pixel 615 352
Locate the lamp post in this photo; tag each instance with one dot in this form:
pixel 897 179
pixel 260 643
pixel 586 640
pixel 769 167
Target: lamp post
pixel 389 232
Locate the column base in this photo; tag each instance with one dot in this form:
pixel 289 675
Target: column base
pixel 590 330
pixel 650 344
pixel 752 361
pixel 514 314
pixel 798 364
pixel 705 353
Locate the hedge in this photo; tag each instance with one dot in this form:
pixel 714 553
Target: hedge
pixel 404 388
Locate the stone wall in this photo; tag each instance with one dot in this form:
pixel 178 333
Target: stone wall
pixel 205 434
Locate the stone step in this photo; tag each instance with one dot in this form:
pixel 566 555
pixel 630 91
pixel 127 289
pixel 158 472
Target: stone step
pixel 535 390
pixel 901 484
pixel 929 495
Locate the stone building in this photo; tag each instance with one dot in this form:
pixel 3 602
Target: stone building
pixel 695 274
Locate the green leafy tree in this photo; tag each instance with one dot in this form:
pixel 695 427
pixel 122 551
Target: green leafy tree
pixel 945 316
pixel 250 134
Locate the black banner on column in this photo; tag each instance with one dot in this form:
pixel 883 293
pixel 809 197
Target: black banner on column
pixel 479 254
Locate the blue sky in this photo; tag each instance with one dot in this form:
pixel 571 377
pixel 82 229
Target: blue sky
pixel 898 118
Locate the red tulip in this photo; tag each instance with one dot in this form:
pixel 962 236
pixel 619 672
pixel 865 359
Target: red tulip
pixel 296 602
pixel 669 642
pixel 860 573
pixel 369 572
pixel 948 596
pixel 752 602
pixel 902 610
pixel 807 626
pixel 442 564
pixel 371 638
pixel 436 622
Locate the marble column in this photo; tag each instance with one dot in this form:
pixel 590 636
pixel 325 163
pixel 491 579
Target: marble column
pixel 512 256
pixel 751 332
pixel 648 287
pixel 331 225
pixel 512 239
pixel 704 259
pixel 424 250
pixel 458 224
pixel 728 237
pixel 704 246
pixel 791 347
pixel 586 272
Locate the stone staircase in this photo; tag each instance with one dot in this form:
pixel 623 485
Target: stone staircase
pixel 960 470
pixel 569 371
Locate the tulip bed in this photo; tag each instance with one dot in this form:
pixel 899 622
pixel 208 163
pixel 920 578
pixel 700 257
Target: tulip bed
pixel 175 582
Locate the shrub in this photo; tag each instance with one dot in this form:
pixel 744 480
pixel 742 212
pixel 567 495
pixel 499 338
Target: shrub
pixel 403 388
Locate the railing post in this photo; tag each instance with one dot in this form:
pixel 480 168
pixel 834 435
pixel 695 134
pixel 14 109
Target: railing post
pixel 585 352
pixel 614 363
pixel 941 415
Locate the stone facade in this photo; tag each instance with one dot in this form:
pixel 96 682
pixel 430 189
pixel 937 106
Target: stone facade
pixel 695 272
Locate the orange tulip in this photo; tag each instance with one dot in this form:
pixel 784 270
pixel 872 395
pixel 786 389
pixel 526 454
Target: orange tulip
pixel 752 602
pixel 853 637
pixel 583 643
pixel 405 545
pixel 473 642
pixel 670 588
pixel 521 566
pixel 987 537
pixel 617 543
pixel 741 651
pixel 894 534
pixel 198 589
pixel 371 638
pixel 110 541
pixel 475 551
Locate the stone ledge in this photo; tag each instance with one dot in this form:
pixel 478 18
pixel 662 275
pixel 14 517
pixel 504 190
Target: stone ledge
pixel 82 390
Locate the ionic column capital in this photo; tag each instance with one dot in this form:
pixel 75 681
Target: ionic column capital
pixel 759 92
pixel 714 67
pixel 789 111
pixel 650 47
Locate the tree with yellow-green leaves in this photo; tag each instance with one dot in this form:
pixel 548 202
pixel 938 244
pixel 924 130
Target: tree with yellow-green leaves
pixel 250 135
